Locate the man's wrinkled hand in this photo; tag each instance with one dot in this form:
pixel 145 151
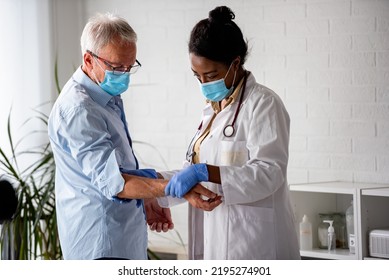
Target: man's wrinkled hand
pixel 195 198
pixel 158 218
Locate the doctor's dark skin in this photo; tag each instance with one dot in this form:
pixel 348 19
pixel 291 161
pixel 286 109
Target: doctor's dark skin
pixel 206 70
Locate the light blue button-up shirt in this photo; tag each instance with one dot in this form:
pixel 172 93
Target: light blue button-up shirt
pixel 90 141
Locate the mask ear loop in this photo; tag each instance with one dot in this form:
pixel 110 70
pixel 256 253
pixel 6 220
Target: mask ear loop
pixel 233 81
pixel 93 72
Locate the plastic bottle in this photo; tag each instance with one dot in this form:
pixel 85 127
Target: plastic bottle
pixel 322 230
pixel 350 228
pixel 331 236
pixel 305 234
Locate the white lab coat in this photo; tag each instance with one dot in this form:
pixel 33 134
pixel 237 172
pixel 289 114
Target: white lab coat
pixel 255 220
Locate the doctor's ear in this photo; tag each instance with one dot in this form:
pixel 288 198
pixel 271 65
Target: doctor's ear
pixel 236 63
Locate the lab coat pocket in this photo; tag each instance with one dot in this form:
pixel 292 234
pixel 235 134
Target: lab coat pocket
pixel 251 233
pixel 233 153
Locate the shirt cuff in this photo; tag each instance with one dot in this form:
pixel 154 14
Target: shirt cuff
pixel 110 181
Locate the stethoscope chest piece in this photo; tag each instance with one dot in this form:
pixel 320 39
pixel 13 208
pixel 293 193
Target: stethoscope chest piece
pixel 228 131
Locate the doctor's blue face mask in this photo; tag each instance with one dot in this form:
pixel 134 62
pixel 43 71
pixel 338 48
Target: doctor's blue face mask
pixel 217 90
pixel 114 83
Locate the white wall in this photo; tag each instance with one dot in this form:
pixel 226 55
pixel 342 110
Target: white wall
pixel 26 72
pixel 327 59
pixel 69 21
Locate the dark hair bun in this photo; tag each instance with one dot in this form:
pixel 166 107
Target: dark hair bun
pixel 218 38
pixel 221 15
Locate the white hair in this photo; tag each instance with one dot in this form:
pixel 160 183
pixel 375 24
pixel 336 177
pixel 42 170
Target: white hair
pixel 102 29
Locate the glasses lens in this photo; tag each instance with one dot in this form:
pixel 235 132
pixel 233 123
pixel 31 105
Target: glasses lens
pixel 134 69
pixel 119 70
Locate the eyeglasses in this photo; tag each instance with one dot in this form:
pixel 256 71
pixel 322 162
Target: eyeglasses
pixel 119 70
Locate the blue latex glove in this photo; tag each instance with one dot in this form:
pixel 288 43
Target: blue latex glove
pixel 186 179
pixel 148 173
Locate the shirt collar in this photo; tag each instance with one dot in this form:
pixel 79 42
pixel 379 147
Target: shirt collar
pixel 94 90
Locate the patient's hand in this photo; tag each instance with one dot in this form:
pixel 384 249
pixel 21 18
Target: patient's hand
pixel 158 218
pixel 194 197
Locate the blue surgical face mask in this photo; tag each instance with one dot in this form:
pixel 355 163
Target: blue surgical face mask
pixel 217 90
pixel 113 83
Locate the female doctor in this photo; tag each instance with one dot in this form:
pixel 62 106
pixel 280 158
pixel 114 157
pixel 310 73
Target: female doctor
pixel 240 151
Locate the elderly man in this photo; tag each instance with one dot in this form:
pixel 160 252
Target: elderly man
pixel 103 199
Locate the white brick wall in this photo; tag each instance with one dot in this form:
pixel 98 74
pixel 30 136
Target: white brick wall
pixel 328 60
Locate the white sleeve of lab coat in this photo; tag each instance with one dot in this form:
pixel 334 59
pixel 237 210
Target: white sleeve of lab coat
pixel 168 201
pixel 267 143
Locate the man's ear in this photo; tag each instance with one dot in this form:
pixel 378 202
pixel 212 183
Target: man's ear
pixel 88 60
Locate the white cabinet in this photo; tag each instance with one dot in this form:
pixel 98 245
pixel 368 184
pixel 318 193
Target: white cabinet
pixel 371 211
pixel 374 214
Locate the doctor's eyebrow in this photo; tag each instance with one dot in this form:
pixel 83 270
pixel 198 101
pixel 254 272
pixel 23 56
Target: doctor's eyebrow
pixel 206 73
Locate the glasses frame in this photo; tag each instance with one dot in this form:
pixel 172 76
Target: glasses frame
pixel 132 69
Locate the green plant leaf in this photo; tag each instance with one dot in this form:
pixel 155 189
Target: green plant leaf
pixel 33 231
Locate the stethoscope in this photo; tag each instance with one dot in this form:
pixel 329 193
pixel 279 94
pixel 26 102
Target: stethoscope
pixel 229 130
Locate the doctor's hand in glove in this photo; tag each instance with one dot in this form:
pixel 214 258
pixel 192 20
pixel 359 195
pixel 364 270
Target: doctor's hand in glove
pixel 158 218
pixel 186 179
pixel 186 184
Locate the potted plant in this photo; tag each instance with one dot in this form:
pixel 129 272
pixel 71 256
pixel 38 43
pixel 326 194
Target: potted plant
pixel 32 233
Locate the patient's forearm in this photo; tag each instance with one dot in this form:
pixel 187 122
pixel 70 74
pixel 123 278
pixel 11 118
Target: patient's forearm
pixel 136 187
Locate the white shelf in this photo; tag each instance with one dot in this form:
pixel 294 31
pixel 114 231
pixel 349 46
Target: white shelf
pixel 376 192
pixel 340 187
pixel 339 254
pixel 371 203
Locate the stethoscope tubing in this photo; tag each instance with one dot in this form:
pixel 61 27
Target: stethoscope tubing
pixel 229 130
